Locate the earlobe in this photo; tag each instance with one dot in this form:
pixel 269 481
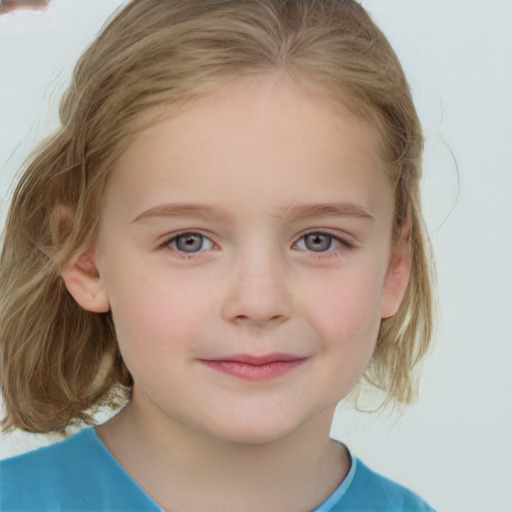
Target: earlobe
pixel 83 282
pixel 397 275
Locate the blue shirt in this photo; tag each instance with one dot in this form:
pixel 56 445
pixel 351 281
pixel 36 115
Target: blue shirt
pixel 80 474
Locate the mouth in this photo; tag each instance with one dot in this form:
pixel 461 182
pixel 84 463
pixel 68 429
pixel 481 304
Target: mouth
pixel 256 368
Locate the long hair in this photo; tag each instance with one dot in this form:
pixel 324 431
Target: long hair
pixel 61 363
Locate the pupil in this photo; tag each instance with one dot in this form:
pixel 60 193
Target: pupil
pixel 189 243
pixel 318 243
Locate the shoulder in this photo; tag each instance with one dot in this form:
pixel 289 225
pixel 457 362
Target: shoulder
pixel 76 474
pixel 37 475
pixel 371 492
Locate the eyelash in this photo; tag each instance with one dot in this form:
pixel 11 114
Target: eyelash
pixel 183 254
pixel 342 244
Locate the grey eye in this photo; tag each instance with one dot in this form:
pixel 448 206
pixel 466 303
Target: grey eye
pixel 190 242
pixel 316 242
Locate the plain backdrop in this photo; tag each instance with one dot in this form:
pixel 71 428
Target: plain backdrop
pixel 454 445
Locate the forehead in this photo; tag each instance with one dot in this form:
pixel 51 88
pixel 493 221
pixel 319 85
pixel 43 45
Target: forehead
pixel 266 135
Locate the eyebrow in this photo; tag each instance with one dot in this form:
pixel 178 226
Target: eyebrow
pixel 293 212
pixel 343 209
pixel 201 211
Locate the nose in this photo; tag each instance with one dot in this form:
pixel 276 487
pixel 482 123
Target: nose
pixel 258 291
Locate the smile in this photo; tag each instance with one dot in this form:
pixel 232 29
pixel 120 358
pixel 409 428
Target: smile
pixel 256 368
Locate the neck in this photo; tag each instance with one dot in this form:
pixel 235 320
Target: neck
pixel 170 461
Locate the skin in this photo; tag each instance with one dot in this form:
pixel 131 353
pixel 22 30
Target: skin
pixel 252 168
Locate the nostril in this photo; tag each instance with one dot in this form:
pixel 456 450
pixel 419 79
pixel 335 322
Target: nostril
pixel 259 320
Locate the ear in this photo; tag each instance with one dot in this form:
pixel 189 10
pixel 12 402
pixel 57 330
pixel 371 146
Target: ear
pixel 83 282
pixel 398 273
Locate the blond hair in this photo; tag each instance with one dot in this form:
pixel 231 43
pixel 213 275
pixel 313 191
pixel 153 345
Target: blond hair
pixel 61 363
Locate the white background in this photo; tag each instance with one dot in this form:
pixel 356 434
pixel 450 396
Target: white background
pixel 454 445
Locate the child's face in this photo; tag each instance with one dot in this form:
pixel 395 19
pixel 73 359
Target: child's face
pixel 254 227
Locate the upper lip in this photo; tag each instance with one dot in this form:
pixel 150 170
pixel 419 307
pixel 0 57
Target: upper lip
pixel 259 360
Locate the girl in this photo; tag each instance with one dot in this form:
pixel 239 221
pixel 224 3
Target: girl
pixel 223 238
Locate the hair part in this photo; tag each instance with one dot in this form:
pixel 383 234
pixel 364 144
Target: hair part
pixel 61 363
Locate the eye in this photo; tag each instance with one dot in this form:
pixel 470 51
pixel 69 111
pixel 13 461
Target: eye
pixel 189 243
pixel 316 242
pixel 319 242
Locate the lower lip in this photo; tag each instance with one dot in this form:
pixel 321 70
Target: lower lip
pixel 255 372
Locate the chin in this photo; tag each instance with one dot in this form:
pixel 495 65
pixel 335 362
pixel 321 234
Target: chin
pixel 255 432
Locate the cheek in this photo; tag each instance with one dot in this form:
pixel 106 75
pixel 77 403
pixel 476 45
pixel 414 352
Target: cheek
pixel 346 311
pixel 155 318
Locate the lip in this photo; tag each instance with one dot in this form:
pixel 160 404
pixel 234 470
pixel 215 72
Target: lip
pixel 256 368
